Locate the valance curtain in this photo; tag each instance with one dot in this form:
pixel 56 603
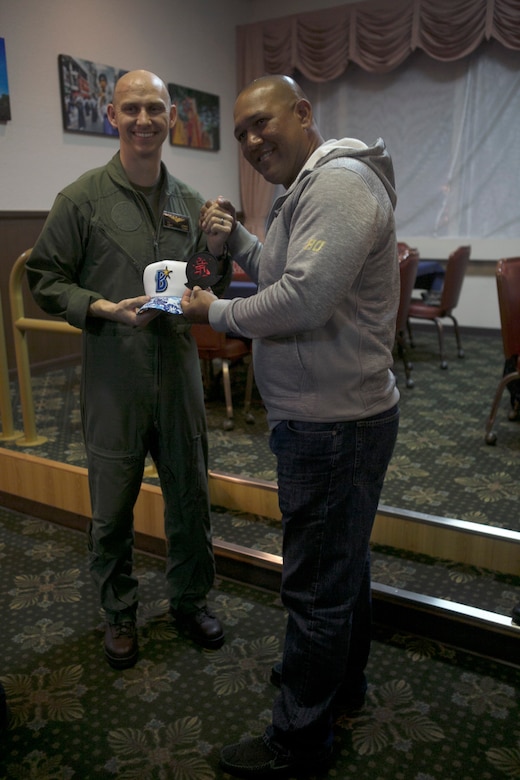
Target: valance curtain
pixel 376 35
pixel 452 131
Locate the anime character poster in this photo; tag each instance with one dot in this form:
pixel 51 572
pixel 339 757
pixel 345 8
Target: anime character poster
pixel 198 118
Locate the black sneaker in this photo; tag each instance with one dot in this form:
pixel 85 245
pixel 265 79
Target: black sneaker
pixel 254 758
pixel 515 614
pixel 202 626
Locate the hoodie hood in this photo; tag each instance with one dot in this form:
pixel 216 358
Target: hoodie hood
pixel 375 156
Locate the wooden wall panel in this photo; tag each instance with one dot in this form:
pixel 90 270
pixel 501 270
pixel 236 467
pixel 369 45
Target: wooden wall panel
pixel 65 487
pixel 18 232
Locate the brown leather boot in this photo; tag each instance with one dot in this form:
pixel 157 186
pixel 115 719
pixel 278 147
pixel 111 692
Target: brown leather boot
pixel 202 626
pixel 121 648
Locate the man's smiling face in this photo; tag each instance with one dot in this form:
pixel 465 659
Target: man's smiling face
pixel 270 126
pixel 142 113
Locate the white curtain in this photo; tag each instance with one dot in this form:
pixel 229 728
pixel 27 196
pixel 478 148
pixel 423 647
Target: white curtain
pixel 453 131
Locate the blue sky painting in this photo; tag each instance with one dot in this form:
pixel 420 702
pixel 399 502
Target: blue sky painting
pixel 4 88
pixel 5 109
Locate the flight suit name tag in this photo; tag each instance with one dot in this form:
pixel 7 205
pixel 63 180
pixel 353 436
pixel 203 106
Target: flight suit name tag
pixel 173 221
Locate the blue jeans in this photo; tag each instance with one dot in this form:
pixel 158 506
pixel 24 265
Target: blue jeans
pixel 330 477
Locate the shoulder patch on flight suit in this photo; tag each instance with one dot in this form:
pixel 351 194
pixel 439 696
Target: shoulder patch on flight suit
pixel 126 216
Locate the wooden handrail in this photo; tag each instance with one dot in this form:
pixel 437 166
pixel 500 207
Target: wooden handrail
pixel 21 325
pixel 6 409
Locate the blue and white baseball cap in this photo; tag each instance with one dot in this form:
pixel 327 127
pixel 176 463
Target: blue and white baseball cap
pixel 165 282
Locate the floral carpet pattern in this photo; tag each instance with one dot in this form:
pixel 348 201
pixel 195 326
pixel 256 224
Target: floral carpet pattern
pixel 443 579
pixel 441 464
pixel 432 712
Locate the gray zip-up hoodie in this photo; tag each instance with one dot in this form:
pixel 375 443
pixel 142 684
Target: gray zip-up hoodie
pixel 323 319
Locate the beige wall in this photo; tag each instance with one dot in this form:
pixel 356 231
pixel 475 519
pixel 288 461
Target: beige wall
pixel 192 45
pixel 188 43
pixel 38 157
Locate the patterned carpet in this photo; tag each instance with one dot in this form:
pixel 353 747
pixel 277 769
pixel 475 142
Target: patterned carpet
pixel 441 464
pixel 432 713
pixel 443 579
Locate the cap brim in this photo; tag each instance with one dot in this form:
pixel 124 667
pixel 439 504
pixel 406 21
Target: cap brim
pixel 171 305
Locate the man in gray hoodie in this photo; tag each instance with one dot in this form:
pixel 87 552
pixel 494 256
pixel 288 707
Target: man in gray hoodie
pixel 323 327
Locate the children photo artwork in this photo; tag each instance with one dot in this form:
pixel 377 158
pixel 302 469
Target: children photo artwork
pixel 86 89
pixel 198 118
pixel 5 105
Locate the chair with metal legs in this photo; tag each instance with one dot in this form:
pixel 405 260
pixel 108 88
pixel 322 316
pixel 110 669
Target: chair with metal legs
pixel 408 262
pixel 441 305
pixel 229 350
pixel 508 289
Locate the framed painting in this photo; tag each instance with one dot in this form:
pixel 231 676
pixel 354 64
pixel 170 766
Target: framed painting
pixel 86 89
pixel 198 118
pixel 5 104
